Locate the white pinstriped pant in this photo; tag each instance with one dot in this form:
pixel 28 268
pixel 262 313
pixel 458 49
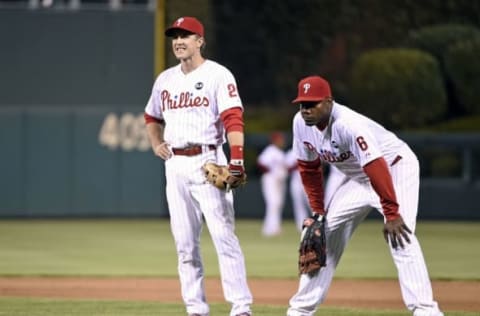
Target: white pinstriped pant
pixel 189 197
pixel 273 189
pixel 348 203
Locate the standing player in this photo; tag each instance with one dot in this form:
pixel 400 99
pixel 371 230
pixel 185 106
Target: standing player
pixel 299 198
pixel 380 171
pixel 271 162
pixel 191 107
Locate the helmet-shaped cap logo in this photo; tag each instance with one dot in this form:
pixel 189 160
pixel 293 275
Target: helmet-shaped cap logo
pixel 179 21
pixel 306 87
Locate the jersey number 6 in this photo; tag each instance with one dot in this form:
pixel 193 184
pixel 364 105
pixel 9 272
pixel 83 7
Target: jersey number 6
pixel 362 143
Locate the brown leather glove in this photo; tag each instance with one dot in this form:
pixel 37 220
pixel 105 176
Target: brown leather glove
pixel 313 248
pixel 221 177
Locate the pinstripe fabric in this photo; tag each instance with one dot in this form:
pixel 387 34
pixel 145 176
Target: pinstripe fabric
pixel 412 270
pixel 349 142
pixel 191 200
pixel 191 105
pixel 348 203
pixel 192 112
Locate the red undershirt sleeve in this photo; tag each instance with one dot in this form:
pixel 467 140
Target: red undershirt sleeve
pixel 151 119
pixel 312 179
pixel 232 119
pixel 381 180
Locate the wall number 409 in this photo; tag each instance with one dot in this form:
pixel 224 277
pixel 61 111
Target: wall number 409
pixel 124 131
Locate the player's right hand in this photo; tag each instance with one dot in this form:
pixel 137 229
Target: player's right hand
pixel 163 151
pixel 396 232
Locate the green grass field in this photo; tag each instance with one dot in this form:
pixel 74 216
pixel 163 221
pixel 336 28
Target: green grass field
pixel 46 307
pixel 145 248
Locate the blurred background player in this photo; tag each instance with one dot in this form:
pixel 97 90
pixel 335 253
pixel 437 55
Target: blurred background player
pixel 191 108
pixel 301 208
pixel 271 163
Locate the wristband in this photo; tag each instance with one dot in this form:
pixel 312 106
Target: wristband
pixel 236 152
pixel 236 162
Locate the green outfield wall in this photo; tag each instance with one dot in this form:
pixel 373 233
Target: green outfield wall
pixel 96 161
pixel 77 162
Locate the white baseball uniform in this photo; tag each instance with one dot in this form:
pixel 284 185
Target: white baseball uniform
pixel 191 104
pixel 273 183
pixel 349 142
pixel 301 209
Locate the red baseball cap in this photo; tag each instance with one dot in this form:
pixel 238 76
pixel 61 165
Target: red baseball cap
pixel 276 136
pixel 186 23
pixel 313 88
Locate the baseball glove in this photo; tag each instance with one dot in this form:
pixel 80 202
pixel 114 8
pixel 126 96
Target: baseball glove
pixel 313 253
pixel 220 176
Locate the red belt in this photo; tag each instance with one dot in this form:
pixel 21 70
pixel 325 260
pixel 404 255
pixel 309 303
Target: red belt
pixel 192 150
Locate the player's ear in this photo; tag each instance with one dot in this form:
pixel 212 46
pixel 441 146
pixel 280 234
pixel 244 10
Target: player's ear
pixel 201 42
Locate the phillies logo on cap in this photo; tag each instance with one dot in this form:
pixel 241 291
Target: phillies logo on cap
pixel 306 86
pixel 179 21
pixel 312 89
pixel 186 23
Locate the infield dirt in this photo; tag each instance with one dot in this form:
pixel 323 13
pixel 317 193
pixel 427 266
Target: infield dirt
pixel 451 295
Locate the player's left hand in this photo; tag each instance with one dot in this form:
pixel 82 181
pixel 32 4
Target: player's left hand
pixel 396 231
pixel 236 169
pixel 237 174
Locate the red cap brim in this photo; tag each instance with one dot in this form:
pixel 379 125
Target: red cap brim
pixel 306 99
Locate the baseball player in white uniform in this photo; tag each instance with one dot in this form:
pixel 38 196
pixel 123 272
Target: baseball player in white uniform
pixel 380 171
pixel 271 162
pixel 299 198
pixel 191 108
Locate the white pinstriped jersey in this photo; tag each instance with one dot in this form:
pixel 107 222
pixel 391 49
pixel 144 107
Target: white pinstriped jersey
pixel 350 141
pixel 191 103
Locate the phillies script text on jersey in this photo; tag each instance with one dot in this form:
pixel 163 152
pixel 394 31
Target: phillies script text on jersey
pixel 329 156
pixel 185 100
